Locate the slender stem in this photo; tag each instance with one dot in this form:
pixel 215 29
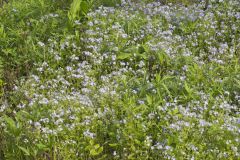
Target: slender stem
pixel 206 4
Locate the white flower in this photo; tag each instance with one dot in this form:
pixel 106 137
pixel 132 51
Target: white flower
pixel 141 102
pixel 203 123
pixel 57 57
pixel 68 68
pixel 41 44
pixel 20 106
pixel 37 124
pixel 114 57
pixel 90 24
pixel 124 35
pixel 168 147
pixel 77 22
pixel 3 107
pixel 44 101
pixel 141 64
pixel 89 134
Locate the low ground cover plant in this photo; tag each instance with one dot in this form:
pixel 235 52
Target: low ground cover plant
pixel 122 80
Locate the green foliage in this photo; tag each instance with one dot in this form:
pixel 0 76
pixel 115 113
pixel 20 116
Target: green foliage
pixel 82 79
pixel 107 3
pixel 79 9
pixel 20 22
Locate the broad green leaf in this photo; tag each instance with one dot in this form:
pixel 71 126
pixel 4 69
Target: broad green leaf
pixel 189 91
pixel 123 56
pixel 84 7
pixel 96 146
pixel 143 56
pixel 26 151
pixel 149 99
pixel 74 9
pixel 91 142
pixel 113 144
pixel 141 49
pixel 96 150
pixel 41 146
pixel 10 122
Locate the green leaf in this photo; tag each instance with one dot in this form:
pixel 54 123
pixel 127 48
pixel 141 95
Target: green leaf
pixel 41 146
pixel 123 56
pixel 167 90
pixel 91 142
pixel 96 146
pixel 84 7
pixel 175 111
pixel 74 9
pixel 10 122
pixel 2 32
pixel 143 56
pixel 26 151
pixel 141 49
pixel 131 156
pixel 238 82
pixel 188 89
pixel 149 99
pixel 113 144
pixel 96 150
